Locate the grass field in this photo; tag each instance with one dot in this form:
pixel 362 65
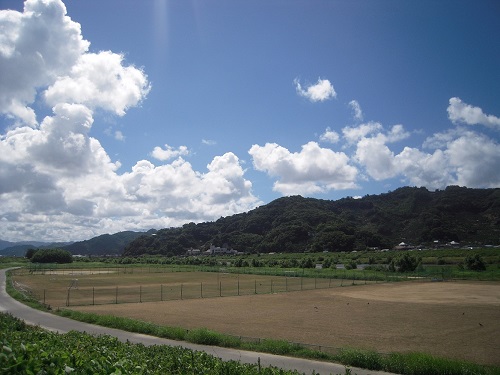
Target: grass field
pixel 457 320
pixel 64 288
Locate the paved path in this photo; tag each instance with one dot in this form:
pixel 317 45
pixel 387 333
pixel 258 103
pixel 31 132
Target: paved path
pixel 62 325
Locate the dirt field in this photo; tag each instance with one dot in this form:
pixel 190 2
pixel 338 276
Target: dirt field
pixel 451 319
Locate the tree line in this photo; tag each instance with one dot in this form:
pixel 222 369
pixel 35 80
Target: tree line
pixel 297 224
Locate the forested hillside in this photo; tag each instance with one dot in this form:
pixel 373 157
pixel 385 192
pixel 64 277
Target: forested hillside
pixel 106 244
pixel 297 224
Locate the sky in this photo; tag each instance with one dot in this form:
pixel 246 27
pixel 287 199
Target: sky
pixel 130 115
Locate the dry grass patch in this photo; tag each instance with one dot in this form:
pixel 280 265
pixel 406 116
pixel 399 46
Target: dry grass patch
pixel 457 320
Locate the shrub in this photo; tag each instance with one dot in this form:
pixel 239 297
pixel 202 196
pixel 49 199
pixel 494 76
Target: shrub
pixel 52 256
pixel 474 263
pixel 351 265
pixel 404 263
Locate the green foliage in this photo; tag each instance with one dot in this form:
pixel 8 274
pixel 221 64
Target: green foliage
pixel 52 256
pixel 474 263
pixel 207 337
pixel 31 350
pixel 426 364
pixel 296 224
pixel 106 244
pixel 361 358
pixel 29 253
pixel 351 265
pixel 404 262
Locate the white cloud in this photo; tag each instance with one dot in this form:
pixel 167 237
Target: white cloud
pixel 356 109
pixel 208 142
pixel 475 158
pixel 460 112
pixel 319 92
pixel 169 152
pixel 354 134
pixel 376 157
pixel 422 169
pixel 37 45
pixel 312 170
pixel 100 81
pixel 397 133
pixel 460 157
pixel 330 136
pixel 58 182
pixel 119 136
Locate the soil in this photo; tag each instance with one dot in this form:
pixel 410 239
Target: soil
pixel 459 320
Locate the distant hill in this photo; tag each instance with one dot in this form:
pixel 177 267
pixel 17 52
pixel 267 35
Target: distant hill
pixel 297 224
pixel 6 244
pixel 106 244
pixel 19 248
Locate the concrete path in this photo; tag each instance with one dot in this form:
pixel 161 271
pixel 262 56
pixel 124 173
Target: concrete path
pixel 63 325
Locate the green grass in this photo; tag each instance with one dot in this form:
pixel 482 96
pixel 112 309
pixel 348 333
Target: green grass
pixel 31 350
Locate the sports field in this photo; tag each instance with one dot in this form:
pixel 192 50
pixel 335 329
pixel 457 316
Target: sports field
pixel 458 320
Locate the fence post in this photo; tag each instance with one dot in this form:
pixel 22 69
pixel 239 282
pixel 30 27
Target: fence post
pixel 201 289
pixel 93 295
pixel 161 292
pixel 181 290
pixel 116 295
pixel 44 296
pixel 67 298
pixel 220 288
pixel 140 293
pixel 255 287
pixel 271 286
pixel 238 285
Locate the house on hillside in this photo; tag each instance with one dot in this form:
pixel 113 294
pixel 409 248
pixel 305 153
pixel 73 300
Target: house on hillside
pixel 215 250
pixel 193 252
pixel 403 246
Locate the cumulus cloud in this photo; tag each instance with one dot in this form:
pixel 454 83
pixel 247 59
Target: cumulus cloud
pixel 460 112
pixel 100 81
pixel 457 157
pixel 356 110
pixel 312 170
pixel 356 133
pixel 169 152
pixel 37 46
pixel 58 182
pixel 330 136
pixel 319 92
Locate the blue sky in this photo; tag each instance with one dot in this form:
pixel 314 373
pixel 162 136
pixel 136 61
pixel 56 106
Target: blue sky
pixel 130 115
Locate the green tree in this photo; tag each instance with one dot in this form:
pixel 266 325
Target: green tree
pixel 474 263
pixel 52 256
pixel 404 263
pixel 29 253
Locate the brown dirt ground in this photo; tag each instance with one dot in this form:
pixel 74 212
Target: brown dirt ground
pixel 458 320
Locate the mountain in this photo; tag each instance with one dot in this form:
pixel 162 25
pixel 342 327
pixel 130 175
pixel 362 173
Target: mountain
pixel 297 224
pixel 6 244
pixel 19 248
pixel 106 244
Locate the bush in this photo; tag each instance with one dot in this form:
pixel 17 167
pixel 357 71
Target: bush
pixel 351 265
pixel 474 263
pixel 404 263
pixel 52 256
